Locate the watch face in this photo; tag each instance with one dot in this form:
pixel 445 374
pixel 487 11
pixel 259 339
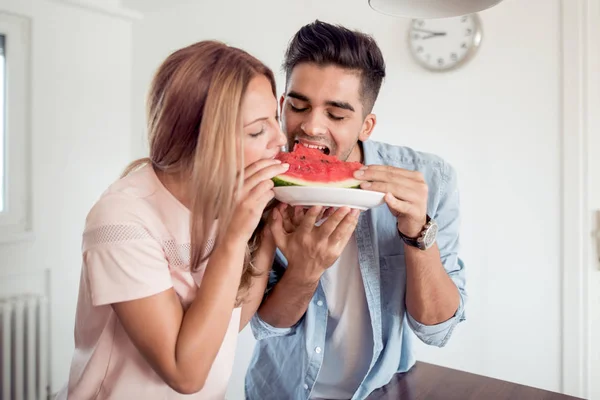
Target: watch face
pixel 430 235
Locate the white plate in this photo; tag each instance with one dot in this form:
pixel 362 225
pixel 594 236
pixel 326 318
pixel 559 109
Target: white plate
pixel 328 197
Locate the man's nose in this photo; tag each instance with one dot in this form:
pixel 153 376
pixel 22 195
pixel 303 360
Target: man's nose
pixel 313 126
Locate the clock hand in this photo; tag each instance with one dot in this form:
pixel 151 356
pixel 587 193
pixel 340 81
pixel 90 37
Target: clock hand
pixel 434 34
pixel 428 31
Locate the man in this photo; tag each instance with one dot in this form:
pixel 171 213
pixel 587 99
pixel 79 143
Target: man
pixel 346 297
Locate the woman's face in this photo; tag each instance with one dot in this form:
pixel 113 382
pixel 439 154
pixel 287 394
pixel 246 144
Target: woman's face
pixel 262 135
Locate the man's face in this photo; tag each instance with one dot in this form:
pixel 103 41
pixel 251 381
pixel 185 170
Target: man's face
pixel 322 107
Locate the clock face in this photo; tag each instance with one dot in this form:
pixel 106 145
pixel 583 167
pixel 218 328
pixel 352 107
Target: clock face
pixel 443 44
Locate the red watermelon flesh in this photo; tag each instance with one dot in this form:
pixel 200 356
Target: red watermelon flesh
pixel 311 167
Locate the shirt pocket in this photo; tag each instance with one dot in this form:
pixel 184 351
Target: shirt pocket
pixel 393 284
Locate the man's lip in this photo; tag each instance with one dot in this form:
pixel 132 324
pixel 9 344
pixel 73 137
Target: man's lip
pixel 302 141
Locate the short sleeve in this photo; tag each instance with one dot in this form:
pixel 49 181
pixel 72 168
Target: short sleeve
pixel 122 252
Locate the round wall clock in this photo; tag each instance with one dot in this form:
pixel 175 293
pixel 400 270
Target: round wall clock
pixel 444 44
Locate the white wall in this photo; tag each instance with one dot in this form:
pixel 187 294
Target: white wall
pixel 496 119
pixel 593 129
pixel 81 141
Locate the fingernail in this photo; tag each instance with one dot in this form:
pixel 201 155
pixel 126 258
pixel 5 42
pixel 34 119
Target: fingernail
pixel 364 167
pixel 277 161
pixel 286 165
pixel 359 173
pixel 355 212
pixel 365 185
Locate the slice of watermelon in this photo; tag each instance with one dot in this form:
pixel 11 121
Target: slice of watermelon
pixel 311 167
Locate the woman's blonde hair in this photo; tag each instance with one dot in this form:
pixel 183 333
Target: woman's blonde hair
pixel 195 129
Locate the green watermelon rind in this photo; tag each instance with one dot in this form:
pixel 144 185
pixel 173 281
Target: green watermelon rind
pixel 282 180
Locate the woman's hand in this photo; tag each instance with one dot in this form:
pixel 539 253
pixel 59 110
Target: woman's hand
pixel 254 196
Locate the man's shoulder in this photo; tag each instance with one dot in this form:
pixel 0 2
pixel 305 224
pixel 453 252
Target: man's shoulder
pixel 407 158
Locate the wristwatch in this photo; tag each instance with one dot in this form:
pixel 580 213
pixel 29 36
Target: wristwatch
pixel 426 238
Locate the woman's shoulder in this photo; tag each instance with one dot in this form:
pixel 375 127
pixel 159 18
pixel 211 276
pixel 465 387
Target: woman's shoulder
pixel 127 200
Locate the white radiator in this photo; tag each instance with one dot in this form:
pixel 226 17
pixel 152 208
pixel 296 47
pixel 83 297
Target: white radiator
pixel 24 348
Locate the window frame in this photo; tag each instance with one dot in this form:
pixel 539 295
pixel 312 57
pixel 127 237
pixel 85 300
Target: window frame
pixel 15 218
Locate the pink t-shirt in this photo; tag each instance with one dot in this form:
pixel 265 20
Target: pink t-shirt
pixel 136 243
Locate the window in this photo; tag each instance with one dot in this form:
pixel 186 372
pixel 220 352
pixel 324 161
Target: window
pixel 15 215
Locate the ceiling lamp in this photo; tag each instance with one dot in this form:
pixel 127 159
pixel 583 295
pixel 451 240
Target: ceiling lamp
pixel 430 9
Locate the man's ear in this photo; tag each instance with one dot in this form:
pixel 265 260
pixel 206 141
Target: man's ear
pixel 367 127
pixel 281 100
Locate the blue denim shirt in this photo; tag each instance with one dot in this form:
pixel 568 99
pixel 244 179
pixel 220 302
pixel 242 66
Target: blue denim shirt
pixel 286 361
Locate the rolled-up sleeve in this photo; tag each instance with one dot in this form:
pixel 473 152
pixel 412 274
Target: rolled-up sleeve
pixel 439 334
pixel 447 217
pixel 261 329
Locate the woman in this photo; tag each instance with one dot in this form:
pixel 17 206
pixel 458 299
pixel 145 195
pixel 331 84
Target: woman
pixel 175 260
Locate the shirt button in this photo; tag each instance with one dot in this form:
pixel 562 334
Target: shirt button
pixel 319 303
pixel 305 386
pixel 318 350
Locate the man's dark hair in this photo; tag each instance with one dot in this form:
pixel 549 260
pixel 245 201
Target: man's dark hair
pixel 325 44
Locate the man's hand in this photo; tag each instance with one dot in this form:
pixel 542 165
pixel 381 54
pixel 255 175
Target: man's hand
pixel 293 216
pixel 406 194
pixel 311 249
